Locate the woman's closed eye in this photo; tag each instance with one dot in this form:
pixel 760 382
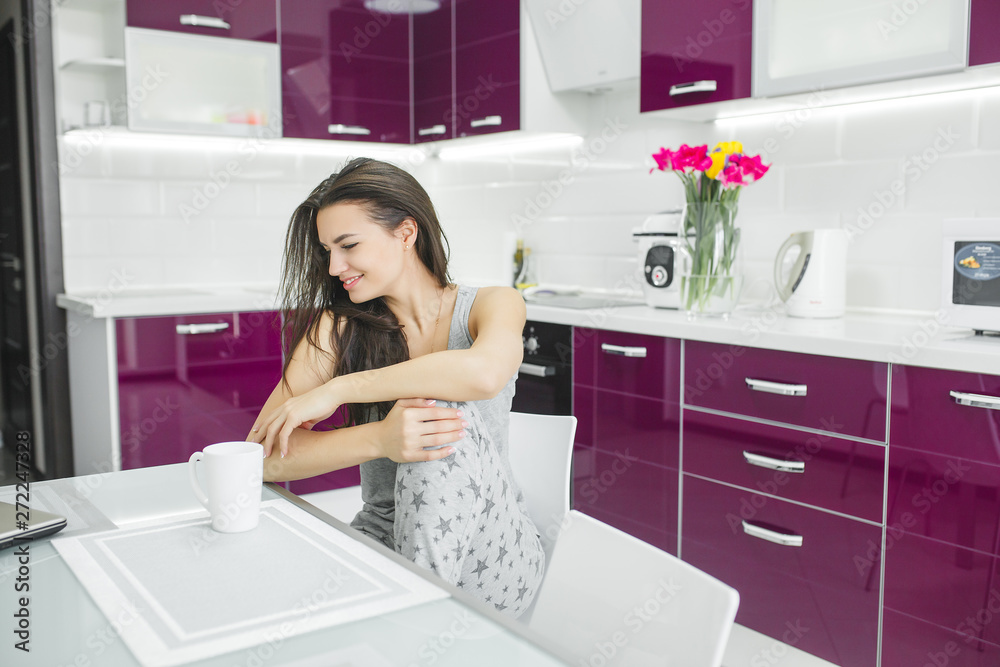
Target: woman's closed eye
pixel 348 246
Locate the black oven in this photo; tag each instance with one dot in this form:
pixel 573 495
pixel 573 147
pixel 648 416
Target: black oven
pixel 545 379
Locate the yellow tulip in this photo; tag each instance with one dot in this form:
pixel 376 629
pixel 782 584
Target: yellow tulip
pixel 728 147
pixel 718 162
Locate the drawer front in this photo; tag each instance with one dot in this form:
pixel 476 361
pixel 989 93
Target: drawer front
pixel 643 428
pixel 926 416
pixel 637 364
pixel 817 469
pixel 844 396
pixel 943 584
pixel 643 496
pixel 945 498
pixel 815 596
pixel 157 344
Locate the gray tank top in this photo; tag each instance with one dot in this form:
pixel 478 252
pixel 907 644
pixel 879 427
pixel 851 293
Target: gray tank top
pixel 492 415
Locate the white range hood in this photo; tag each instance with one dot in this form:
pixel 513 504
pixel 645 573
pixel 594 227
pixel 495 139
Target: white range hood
pixel 587 45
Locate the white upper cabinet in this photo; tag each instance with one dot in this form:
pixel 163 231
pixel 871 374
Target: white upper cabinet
pixel 807 45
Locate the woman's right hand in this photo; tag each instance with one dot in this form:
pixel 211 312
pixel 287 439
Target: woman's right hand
pixel 413 424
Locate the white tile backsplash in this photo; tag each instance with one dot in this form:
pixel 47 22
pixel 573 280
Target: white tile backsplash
pixel 575 207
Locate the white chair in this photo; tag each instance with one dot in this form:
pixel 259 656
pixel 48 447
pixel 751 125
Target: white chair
pixel 611 599
pixel 541 453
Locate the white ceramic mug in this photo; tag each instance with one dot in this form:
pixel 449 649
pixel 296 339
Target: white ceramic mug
pixel 234 473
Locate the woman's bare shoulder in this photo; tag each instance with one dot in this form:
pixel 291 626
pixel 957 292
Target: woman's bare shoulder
pixel 497 306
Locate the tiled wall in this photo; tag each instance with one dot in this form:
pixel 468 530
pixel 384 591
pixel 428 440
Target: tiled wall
pixel 129 207
pixel 836 167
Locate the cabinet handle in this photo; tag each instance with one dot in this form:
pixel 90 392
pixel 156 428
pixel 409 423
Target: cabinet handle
pixel 536 369
pixel 623 351
pixel 204 21
pixel 435 129
pixel 208 327
pixel 483 122
pixel 976 400
pixel 708 86
pixel 347 129
pixel 784 539
pixel 776 387
pixel 772 463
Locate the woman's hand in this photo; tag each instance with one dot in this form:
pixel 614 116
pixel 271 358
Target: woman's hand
pixel 414 424
pixel 303 411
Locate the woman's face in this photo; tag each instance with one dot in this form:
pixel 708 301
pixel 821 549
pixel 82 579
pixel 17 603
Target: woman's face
pixel 365 258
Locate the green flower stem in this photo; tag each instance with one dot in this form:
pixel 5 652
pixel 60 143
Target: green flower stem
pixel 712 239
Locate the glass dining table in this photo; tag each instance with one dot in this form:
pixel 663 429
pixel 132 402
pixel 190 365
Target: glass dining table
pixel 129 581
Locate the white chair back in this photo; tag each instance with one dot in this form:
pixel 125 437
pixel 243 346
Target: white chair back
pixel 541 452
pixel 609 598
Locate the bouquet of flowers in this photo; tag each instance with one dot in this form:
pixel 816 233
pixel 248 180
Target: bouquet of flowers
pixel 712 182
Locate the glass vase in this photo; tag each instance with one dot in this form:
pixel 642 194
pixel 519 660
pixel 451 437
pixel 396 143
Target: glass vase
pixel 711 272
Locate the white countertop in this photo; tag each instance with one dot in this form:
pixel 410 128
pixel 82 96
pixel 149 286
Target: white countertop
pixel 160 301
pixel 918 340
pixel 904 339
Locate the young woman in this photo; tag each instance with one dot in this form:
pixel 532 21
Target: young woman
pixel 425 370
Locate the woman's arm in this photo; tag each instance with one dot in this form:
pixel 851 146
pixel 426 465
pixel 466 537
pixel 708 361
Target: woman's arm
pixel 496 323
pixel 402 436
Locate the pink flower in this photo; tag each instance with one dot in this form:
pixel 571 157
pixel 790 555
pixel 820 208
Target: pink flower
pixel 685 159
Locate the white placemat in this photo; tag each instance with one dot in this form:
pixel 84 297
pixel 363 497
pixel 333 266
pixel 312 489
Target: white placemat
pixel 182 592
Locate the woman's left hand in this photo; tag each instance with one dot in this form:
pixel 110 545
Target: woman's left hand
pixel 303 411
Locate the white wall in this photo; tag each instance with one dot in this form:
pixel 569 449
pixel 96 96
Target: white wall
pixel 837 167
pixel 124 204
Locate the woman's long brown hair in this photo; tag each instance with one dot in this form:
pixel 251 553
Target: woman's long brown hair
pixel 370 336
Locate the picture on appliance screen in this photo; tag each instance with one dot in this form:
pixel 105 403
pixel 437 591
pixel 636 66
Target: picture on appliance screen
pixel 976 269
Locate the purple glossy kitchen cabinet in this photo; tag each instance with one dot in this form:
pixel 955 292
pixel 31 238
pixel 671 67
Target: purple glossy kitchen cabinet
pixel 984 26
pixel 433 79
pixel 843 396
pixel 255 20
pixel 188 381
pixel 345 72
pixel 690 47
pixel 815 588
pixel 487 67
pixel 813 468
pixel 626 458
pixel 942 559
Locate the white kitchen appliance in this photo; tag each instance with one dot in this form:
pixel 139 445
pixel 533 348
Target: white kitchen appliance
pixel 661 255
pixel 970 290
pixel 816 286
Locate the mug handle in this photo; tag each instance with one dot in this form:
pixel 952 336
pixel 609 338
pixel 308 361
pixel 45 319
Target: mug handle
pixel 195 485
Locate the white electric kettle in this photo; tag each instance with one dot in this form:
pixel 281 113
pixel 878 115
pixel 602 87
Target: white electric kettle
pixel 817 283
